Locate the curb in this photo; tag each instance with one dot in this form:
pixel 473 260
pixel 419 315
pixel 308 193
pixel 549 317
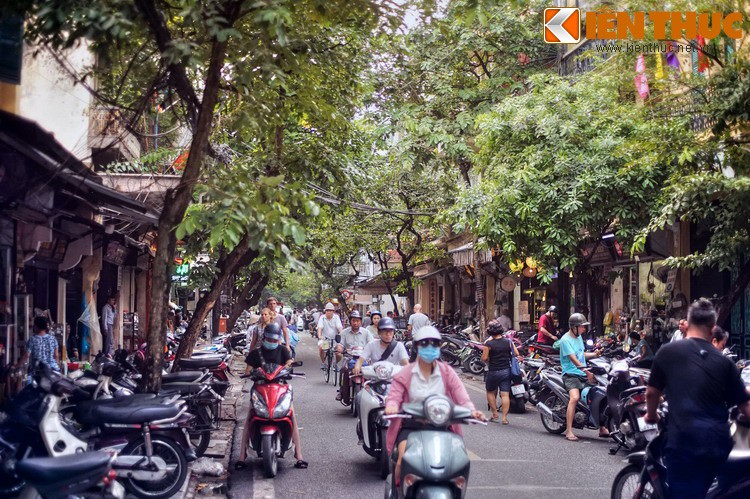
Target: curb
pixel 220 448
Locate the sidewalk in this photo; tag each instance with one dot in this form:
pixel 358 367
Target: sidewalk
pixel 220 448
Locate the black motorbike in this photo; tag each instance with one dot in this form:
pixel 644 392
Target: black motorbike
pixel 645 474
pixel 626 399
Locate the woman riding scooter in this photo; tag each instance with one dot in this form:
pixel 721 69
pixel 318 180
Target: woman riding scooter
pixel 414 383
pixel 270 353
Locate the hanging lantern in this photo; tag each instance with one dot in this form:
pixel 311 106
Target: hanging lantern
pixel 530 262
pixel 516 266
pixel 529 272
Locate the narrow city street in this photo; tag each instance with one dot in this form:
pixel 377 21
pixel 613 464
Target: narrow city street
pixel 520 461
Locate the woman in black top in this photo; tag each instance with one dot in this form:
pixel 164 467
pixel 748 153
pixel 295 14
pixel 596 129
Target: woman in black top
pixel 497 355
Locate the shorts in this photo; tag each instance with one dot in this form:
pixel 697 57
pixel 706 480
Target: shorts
pixel 498 379
pixel 574 381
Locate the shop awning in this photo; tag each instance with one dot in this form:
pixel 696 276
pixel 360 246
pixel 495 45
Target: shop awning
pixel 463 255
pixel 67 171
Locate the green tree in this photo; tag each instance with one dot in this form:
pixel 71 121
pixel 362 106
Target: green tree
pixel 206 54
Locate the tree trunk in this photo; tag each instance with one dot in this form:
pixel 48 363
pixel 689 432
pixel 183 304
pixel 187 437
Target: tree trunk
pixel 227 265
pixel 735 291
pixel 480 295
pixel 248 297
pixel 177 200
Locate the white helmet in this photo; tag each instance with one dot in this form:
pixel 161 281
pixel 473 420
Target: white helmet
pixel 426 333
pixel 329 306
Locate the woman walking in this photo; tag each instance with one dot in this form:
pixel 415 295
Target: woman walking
pixel 497 355
pixel 42 347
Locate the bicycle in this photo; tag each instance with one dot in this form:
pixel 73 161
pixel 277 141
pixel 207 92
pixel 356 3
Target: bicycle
pixel 330 362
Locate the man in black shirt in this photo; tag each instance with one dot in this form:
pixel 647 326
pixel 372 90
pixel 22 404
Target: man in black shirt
pixel 269 352
pixel 700 386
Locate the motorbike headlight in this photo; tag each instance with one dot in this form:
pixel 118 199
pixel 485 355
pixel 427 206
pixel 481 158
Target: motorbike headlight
pixel 259 405
pixel 283 406
pixel 438 411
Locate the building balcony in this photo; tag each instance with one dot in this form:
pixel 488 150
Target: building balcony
pixel 109 139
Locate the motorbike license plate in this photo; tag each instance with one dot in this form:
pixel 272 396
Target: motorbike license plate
pixel 518 389
pixel 644 426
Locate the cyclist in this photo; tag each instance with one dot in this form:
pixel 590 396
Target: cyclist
pixel 353 336
pixel 329 326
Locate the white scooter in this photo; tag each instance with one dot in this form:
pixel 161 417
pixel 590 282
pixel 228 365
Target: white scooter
pixel 372 426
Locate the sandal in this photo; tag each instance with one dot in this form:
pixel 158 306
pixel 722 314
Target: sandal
pixel 571 439
pixel 604 435
pixel 300 464
pixel 494 419
pixel 240 465
pixel 506 422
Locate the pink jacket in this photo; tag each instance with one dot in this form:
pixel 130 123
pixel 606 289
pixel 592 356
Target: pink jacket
pixel 399 394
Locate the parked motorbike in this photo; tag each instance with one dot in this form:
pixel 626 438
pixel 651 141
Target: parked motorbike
pixel 372 425
pixel 271 414
pixel 626 399
pixel 470 357
pixel 591 410
pixel 148 432
pixel 435 463
pixel 84 475
pixel 645 474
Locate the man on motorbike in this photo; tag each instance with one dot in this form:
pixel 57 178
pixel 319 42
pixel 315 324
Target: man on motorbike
pixel 426 376
pixel 546 332
pixel 383 349
pixel 573 362
pixel 270 353
pixel 700 385
pixel 329 325
pixel 353 336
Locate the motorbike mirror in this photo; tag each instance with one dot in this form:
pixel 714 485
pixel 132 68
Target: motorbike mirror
pixel 297 363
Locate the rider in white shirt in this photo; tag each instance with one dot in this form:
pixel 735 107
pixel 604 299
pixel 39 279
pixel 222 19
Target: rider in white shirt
pixel 329 325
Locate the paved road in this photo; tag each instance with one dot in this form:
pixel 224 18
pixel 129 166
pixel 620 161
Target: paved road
pixel 520 461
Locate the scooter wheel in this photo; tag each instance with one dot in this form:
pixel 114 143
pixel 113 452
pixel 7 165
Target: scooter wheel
pixel 270 459
pixel 383 459
pixel 173 456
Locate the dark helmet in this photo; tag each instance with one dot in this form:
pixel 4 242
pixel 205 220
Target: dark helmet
pixel 355 315
pixel 272 331
pixel 386 323
pixel 376 312
pixel 552 309
pixel 578 320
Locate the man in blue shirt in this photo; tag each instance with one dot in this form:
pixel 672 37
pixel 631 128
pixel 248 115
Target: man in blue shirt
pixel 573 363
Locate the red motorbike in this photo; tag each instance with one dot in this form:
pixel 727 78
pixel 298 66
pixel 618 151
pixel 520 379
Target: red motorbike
pixel 270 424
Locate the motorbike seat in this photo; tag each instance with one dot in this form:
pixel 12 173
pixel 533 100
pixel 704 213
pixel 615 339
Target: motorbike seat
pixel 181 388
pixel 182 377
pixel 125 410
pixel 51 470
pixel 556 378
pixel 204 361
pixel 535 364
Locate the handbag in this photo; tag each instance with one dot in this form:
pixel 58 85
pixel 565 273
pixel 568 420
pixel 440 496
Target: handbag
pixel 515 367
